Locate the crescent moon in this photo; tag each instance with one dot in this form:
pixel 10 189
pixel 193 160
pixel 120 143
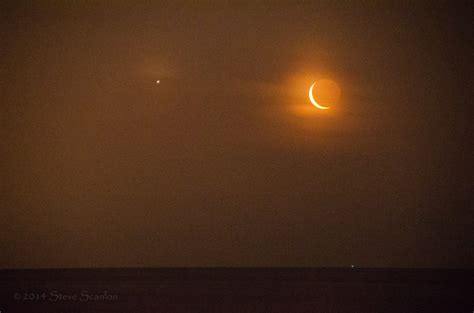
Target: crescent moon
pixel 311 98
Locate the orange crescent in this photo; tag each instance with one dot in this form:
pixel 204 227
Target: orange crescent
pixel 311 98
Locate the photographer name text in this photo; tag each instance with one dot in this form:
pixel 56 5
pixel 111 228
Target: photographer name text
pixel 59 296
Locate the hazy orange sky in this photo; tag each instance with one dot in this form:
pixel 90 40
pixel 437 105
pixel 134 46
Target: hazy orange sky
pixel 225 162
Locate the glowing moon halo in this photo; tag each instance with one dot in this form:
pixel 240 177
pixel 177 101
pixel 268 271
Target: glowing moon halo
pixel 314 102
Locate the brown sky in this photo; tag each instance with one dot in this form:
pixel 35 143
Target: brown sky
pixel 225 162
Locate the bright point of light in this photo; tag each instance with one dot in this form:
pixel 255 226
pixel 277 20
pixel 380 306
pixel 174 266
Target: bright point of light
pixel 158 81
